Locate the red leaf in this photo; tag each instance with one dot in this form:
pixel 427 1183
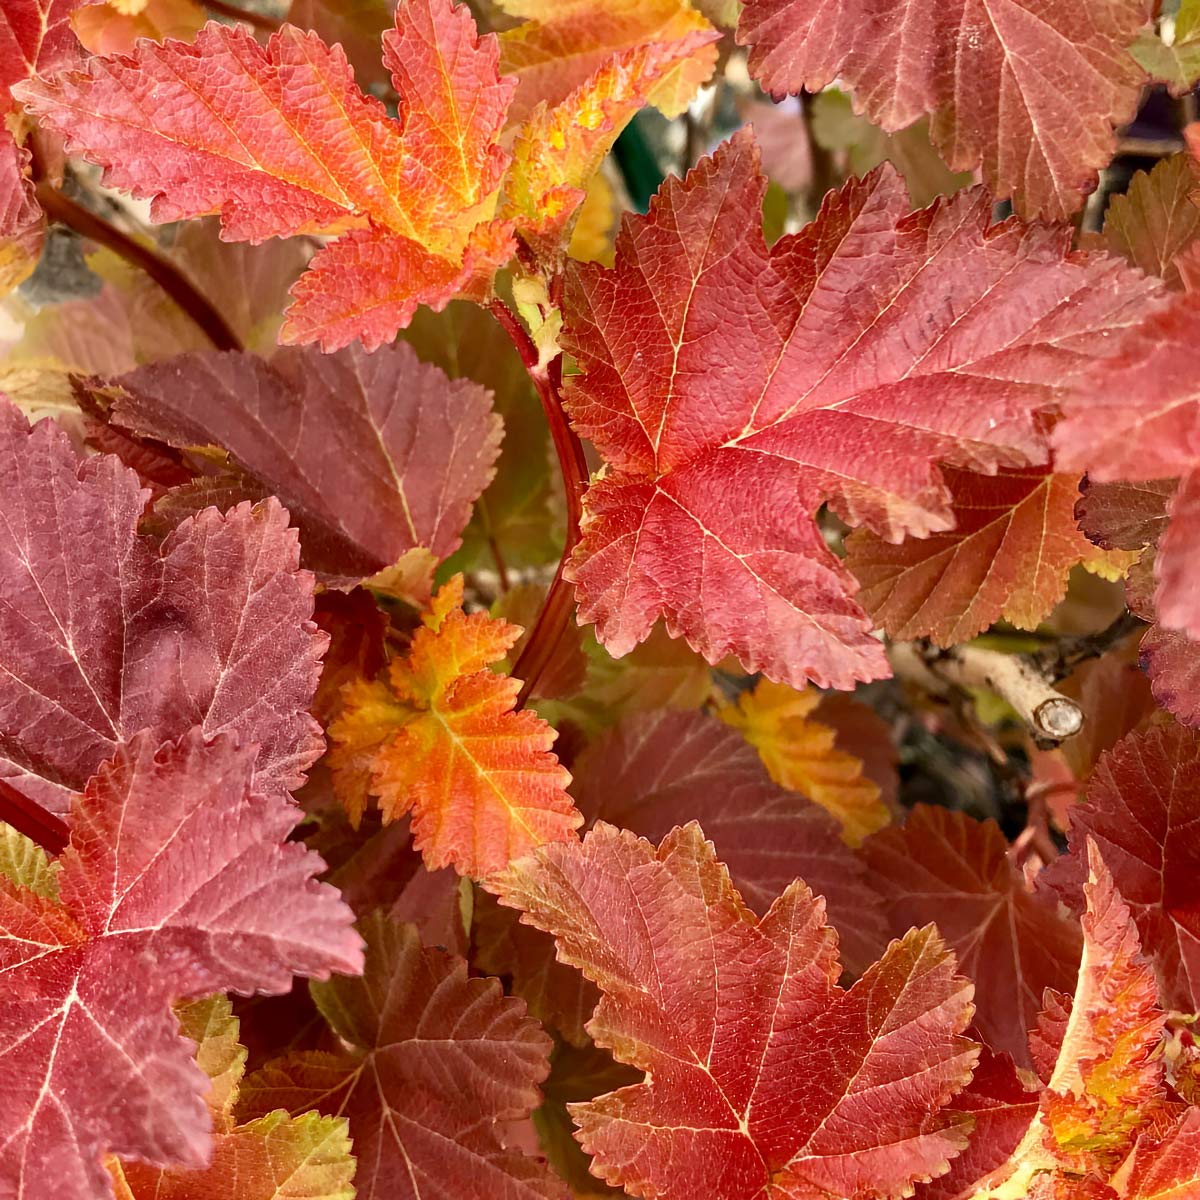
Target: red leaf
pixel 1136 417
pixel 658 770
pixel 765 1078
pixel 1172 660
pixel 943 867
pixel 437 1072
pixel 1002 1110
pixel 177 883
pixel 1177 564
pixel 35 37
pixel 840 366
pixel 102 634
pixel 1143 813
pixel 373 454
pixel 1032 90
pixel 1107 1085
pixel 1169 1167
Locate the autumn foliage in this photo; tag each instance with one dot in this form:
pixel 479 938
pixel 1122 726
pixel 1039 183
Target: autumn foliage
pixel 599 597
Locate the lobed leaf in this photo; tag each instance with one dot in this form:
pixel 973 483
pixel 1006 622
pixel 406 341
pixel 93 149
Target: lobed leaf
pixel 764 1078
pixel 945 868
pixel 559 148
pixel 104 634
pixel 1157 219
pixel 35 37
pixel 280 140
pixel 374 455
pixel 654 771
pixel 1136 417
pixel 1008 556
pixel 801 755
pixel 436 1071
pixel 838 367
pixel 1143 816
pixel 1106 1089
pixel 276 1157
pixel 441 739
pixel 1031 90
pixel 173 859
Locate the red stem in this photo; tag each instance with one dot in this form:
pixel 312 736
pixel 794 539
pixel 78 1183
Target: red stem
pixel 258 20
pixel 168 276
pixel 30 818
pixel 552 621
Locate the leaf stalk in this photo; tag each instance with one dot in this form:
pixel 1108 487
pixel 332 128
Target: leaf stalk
pixel 552 621
pixel 59 207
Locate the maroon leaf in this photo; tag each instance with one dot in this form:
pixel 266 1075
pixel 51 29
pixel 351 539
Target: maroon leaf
pixel 658 770
pixel 438 1072
pixel 373 454
pixel 103 634
pixel 1002 1110
pixel 943 867
pixel 1143 814
pixel 177 883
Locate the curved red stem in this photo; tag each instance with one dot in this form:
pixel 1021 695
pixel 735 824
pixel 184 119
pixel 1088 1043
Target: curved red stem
pixel 168 276
pixel 552 621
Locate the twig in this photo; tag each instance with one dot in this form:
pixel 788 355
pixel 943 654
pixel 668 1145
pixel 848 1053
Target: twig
pixel 258 20
pixel 168 277
pixel 30 818
pixel 552 621
pixel 1059 659
pixel 1140 147
pixel 1050 716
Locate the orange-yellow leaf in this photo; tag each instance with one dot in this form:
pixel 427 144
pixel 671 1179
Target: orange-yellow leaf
pixel 562 42
pixel 801 754
pixel 276 1157
pixel 441 739
pixel 113 28
pixel 558 149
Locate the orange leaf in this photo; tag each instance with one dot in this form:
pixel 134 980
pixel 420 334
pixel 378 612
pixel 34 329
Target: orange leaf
pixel 280 140
pixel 1013 544
pixel 441 739
pixel 801 754
pixel 558 149
pixel 562 42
